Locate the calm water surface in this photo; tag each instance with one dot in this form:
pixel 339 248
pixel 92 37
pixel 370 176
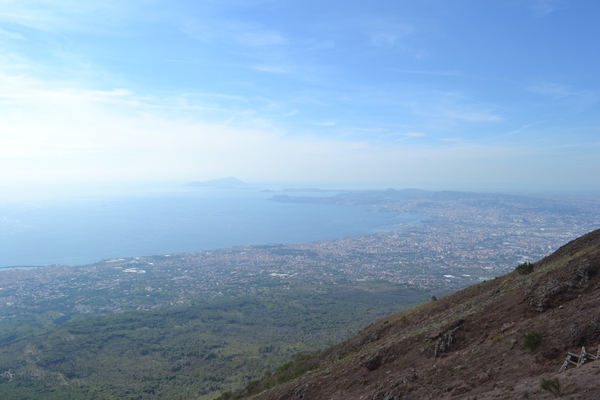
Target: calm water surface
pixel 86 231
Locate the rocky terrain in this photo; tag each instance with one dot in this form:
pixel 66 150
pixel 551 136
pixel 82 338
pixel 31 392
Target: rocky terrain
pixel 495 340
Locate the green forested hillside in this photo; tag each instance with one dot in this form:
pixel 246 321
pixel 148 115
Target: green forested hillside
pixel 191 352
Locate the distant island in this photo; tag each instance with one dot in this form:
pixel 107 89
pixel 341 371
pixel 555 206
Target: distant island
pixel 219 183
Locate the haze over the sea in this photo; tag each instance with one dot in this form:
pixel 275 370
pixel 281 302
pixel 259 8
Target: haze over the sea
pixel 465 94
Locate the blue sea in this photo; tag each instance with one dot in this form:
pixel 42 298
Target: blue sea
pixel 75 232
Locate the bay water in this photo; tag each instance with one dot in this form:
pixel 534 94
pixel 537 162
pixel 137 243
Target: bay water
pixel 74 232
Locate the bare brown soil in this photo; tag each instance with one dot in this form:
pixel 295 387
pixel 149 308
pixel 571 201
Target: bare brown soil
pixel 471 345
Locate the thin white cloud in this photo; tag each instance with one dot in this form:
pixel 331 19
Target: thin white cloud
pixel 67 15
pixel 291 113
pixel 451 139
pixel 241 33
pixel 326 123
pixel 409 136
pixel 542 8
pixel 393 35
pixel 389 34
pixel 519 130
pixel 319 45
pixel 565 95
pixel 473 116
pixel 551 89
pixel 384 39
pixel 452 107
pixel 272 69
pixel 97 127
pixel 82 135
pixel 186 61
pixel 425 72
pixel 11 35
pixel 261 37
pixel 370 130
pixel 413 134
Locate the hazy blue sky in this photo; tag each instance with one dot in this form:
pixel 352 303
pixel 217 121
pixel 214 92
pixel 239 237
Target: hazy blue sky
pixel 427 93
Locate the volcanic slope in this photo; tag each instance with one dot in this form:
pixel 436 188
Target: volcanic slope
pixel 494 340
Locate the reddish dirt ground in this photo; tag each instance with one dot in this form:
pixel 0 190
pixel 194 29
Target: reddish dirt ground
pixel 472 344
